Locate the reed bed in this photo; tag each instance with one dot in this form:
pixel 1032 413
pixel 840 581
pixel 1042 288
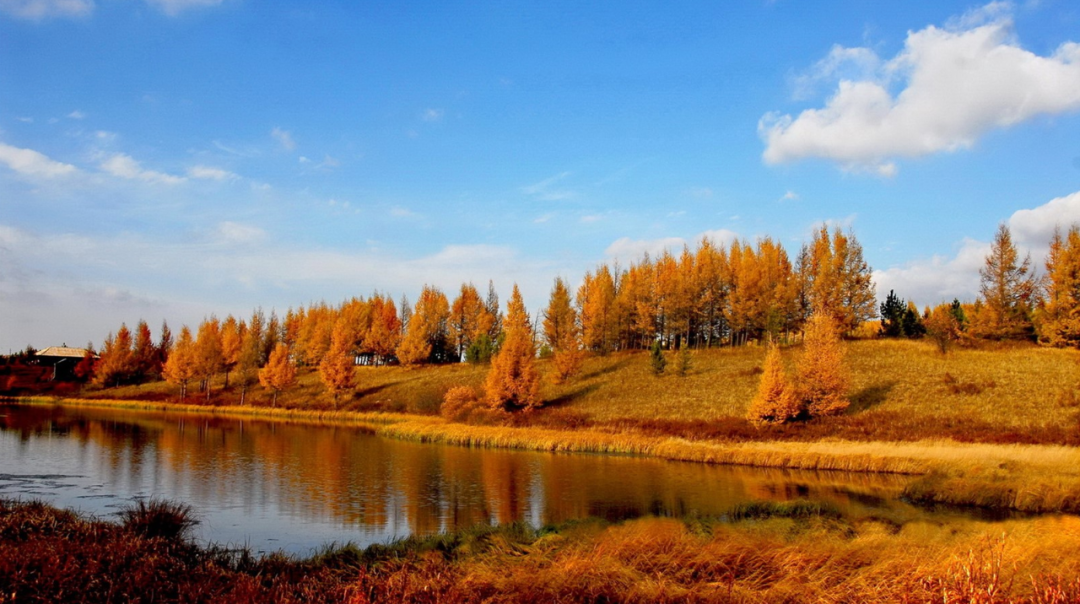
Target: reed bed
pixel 788 552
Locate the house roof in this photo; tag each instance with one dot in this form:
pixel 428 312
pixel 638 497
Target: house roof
pixel 62 351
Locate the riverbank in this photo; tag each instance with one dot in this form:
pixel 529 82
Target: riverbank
pixel 1026 478
pixel 754 553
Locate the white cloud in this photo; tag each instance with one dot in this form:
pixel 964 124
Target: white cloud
pixel 942 278
pixel 37 10
pixel 284 138
pixel 955 84
pixel 790 196
pixel 432 115
pixel 1036 226
pixel 402 212
pixel 77 115
pixel 175 7
pixel 627 250
pixel 26 120
pixel 210 173
pixel 127 167
pixel 32 163
pixel 233 233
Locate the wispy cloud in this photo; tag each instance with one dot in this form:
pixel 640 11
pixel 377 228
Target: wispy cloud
pixel 33 163
pixel 546 191
pixel 77 115
pixel 175 7
pixel 127 167
pixel 790 196
pixel 210 173
pixel 284 138
pixel 36 10
pixel 432 115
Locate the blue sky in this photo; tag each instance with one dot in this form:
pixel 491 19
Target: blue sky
pixel 168 159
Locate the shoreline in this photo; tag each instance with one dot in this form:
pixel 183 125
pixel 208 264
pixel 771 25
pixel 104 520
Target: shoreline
pixel 1025 478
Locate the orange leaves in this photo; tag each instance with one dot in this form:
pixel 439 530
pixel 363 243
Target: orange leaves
pixel 336 368
pixel 821 378
pixel 279 373
pixel 513 381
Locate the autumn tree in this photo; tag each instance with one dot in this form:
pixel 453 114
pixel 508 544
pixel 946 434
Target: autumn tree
pixel 384 335
pixel 1007 289
pixel 232 339
pixel 337 367
pixel 84 370
pixel 943 326
pixel 144 357
pixel 247 362
pixel 596 299
pixel 180 368
pixel 821 376
pixel 208 357
pixel 839 279
pixel 513 382
pixel 164 345
pixel 117 359
pixel 776 400
pixel 469 318
pixel 561 332
pixel 279 373
pixel 426 336
pixel 1059 314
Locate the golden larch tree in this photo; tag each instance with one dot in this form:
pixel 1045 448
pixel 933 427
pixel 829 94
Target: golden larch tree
pixel 1008 288
pixel 466 315
pixel 179 369
pixel 280 372
pixel 426 334
pixel 117 362
pixel 513 382
pixel 208 356
pixel 561 332
pixel 384 336
pixel 337 368
pixel 775 400
pixel 821 375
pixel 232 338
pixel 1059 314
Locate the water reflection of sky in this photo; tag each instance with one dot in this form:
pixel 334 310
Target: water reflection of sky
pixel 297 487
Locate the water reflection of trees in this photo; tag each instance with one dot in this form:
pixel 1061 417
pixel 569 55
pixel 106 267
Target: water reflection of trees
pixel 343 476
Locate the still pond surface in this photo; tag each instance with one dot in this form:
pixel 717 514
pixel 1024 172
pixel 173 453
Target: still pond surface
pixel 294 487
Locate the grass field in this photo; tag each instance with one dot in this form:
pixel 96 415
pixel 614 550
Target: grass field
pixel 901 390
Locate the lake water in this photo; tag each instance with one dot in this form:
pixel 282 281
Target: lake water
pixel 295 487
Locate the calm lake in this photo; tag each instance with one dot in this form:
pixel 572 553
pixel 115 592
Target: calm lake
pixel 294 487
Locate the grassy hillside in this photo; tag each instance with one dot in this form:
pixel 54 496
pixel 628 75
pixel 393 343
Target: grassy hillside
pixel 901 390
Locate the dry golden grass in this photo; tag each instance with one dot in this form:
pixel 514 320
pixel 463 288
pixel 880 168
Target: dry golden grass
pixel 795 553
pixel 1016 386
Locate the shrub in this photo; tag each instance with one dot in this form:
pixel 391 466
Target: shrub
pixel 156 518
pixel 463 404
pixel 656 358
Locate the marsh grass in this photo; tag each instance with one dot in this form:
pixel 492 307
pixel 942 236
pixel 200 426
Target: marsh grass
pixel 795 552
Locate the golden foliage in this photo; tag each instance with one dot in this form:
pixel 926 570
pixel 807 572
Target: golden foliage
pixel 279 373
pixel 513 381
pixel 337 367
pixel 821 376
pixel 179 369
pixel 775 400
